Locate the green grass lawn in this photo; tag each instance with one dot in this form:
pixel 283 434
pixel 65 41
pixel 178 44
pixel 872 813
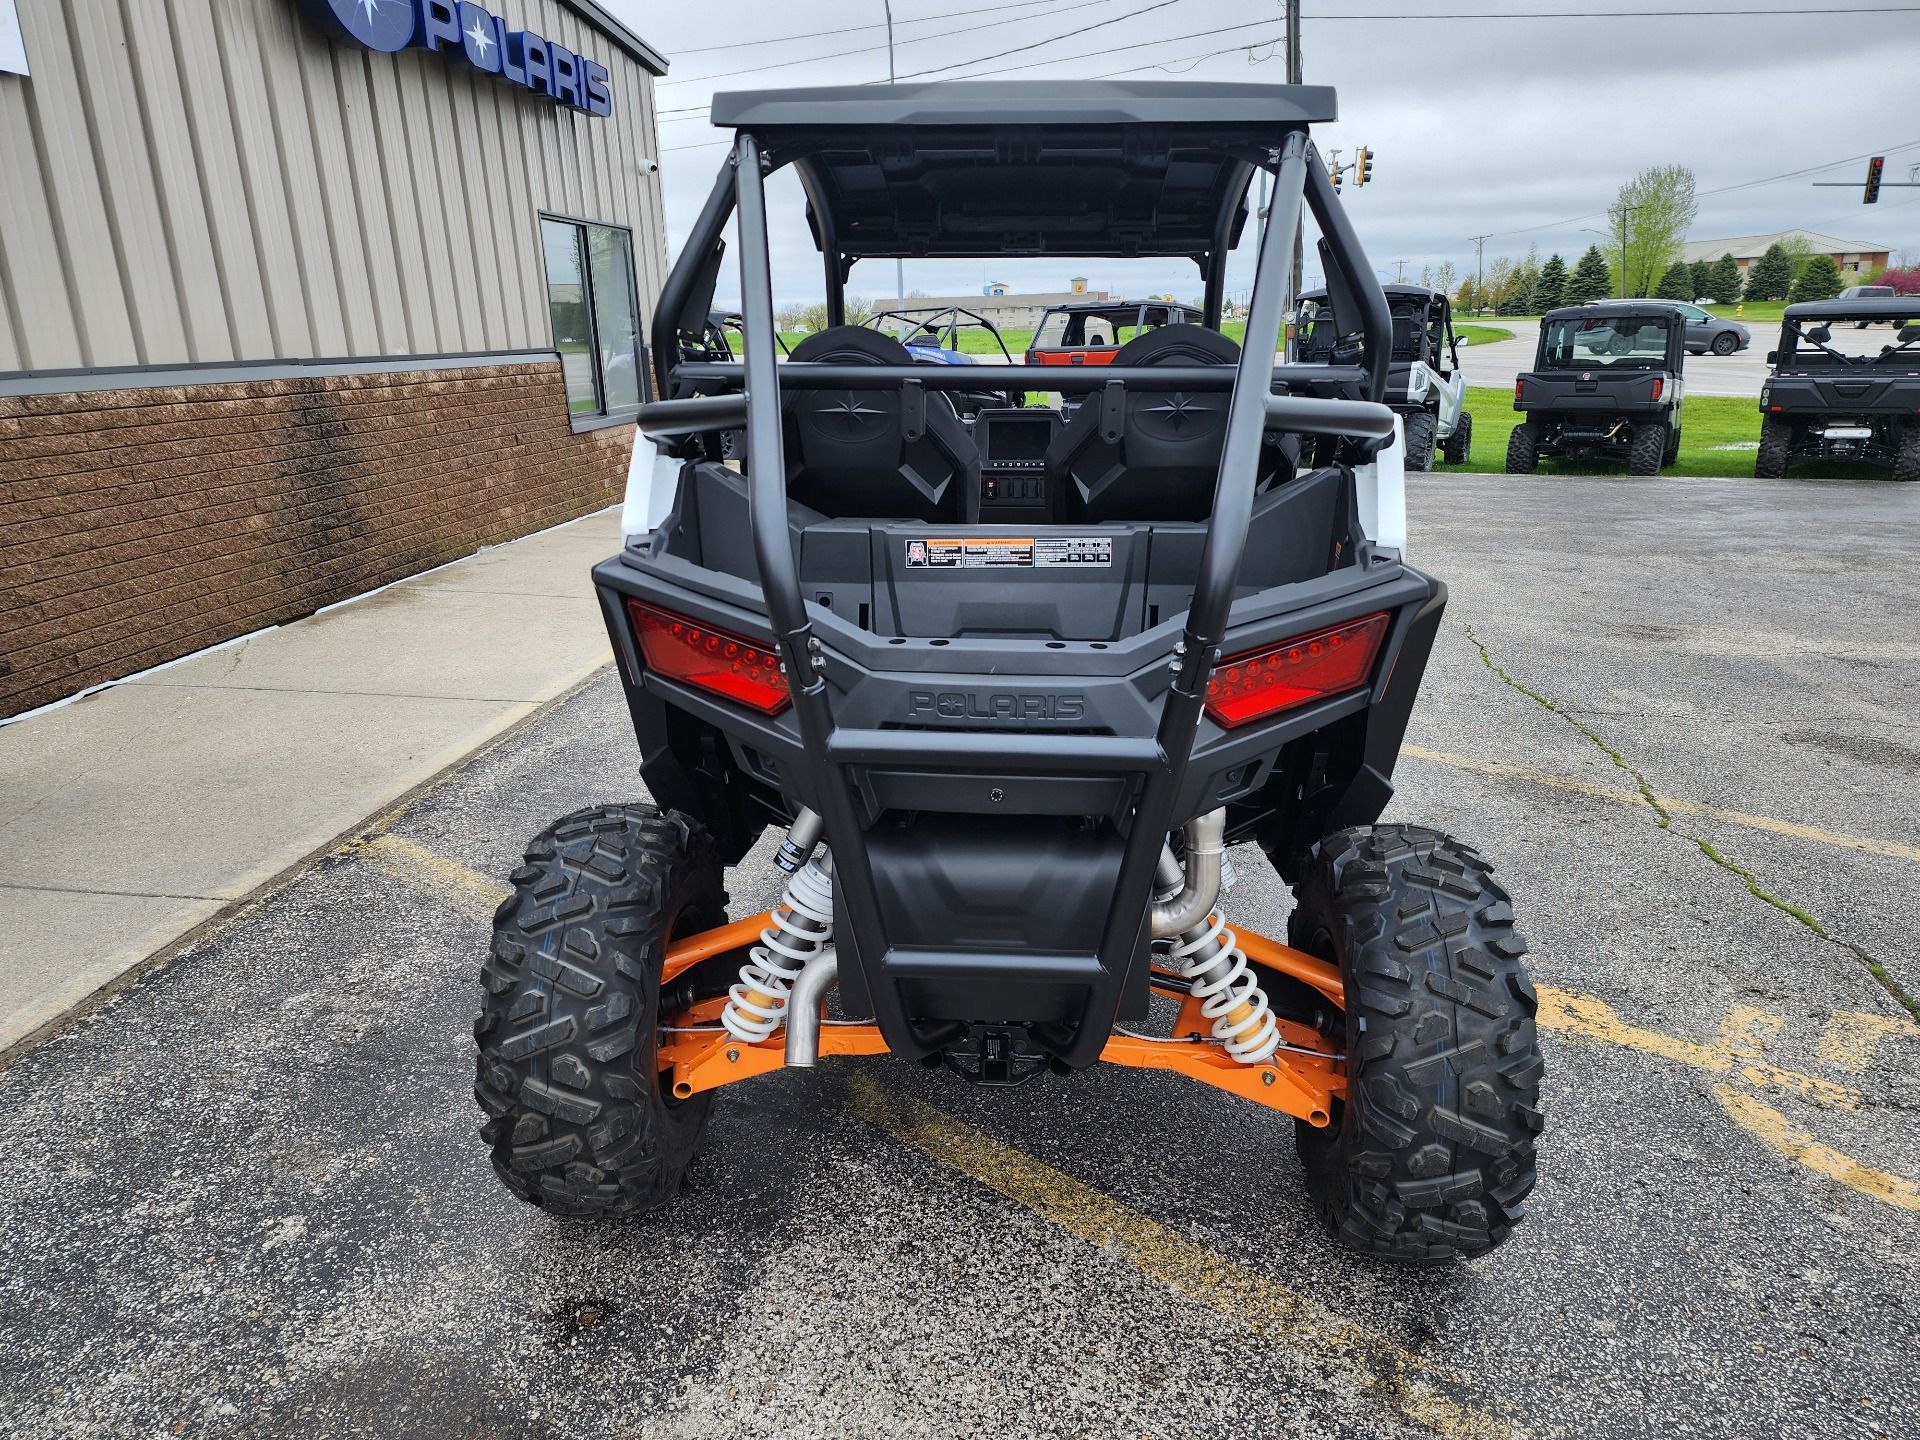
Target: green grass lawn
pixel 1709 421
pixel 1754 314
pixel 1482 334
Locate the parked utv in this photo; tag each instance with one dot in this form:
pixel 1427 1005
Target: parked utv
pixel 1011 689
pixel 1854 399
pixel 1091 332
pixel 932 334
pixel 1606 384
pixel 1426 385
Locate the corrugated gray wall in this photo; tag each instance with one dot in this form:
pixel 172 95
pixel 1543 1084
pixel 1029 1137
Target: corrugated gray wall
pixel 197 181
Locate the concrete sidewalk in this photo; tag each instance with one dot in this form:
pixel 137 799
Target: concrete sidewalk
pixel 134 815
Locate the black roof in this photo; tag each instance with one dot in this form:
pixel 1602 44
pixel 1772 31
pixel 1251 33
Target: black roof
pixel 1087 168
pixel 1614 307
pixel 1100 103
pixel 1870 307
pixel 1394 288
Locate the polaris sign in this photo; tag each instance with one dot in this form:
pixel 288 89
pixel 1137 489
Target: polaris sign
pixel 478 36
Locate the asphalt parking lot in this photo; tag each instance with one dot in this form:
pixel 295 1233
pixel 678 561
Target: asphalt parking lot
pixel 245 1197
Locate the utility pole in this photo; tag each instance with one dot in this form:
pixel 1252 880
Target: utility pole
pixel 1479 260
pixel 1293 78
pixel 1402 275
pixel 899 265
pixel 1625 211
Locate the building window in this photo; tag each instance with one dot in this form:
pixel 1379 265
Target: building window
pixel 596 315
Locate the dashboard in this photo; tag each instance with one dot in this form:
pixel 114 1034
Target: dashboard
pixel 1013 462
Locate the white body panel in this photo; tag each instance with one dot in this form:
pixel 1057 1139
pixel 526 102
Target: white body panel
pixel 652 475
pixel 1381 488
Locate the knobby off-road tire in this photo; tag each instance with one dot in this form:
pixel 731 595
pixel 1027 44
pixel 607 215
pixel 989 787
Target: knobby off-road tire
pixel 1432 1154
pixel 1523 451
pixel 577 1119
pixel 1459 445
pixel 1647 451
pixel 1776 436
pixel 1421 429
pixel 1906 461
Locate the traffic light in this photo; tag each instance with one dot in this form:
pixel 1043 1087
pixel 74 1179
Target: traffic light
pixel 1363 166
pixel 1874 167
pixel 1333 170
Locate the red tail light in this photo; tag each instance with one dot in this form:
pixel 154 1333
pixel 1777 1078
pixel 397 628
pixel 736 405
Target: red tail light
pixel 710 658
pixel 1519 388
pixel 1295 672
pixel 1659 386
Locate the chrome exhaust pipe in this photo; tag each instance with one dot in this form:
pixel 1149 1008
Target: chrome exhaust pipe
pixel 1199 882
pixel 819 975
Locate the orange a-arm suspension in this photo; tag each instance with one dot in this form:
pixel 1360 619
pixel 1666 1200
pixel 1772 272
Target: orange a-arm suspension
pixel 1301 1079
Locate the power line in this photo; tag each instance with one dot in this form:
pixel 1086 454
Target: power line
pixel 1036 44
pixel 916 40
pixel 853 29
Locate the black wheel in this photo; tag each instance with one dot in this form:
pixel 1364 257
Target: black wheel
pixel 1432 1155
pixel 1647 451
pixel 1459 445
pixel 577 1118
pixel 1420 433
pixel 1906 462
pixel 1523 451
pixel 1776 437
pixel 1725 343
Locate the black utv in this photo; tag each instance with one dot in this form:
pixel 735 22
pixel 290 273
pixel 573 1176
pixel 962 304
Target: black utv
pixel 1425 385
pixel 1009 690
pixel 1853 398
pixel 1606 384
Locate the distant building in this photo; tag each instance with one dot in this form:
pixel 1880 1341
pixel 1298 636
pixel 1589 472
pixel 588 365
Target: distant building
pixel 1005 309
pixel 1854 257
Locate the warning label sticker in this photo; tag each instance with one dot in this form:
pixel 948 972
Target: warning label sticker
pixel 993 552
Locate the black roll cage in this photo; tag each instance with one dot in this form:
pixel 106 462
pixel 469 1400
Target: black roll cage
pixel 1158 763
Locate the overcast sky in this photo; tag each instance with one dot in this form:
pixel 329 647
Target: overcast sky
pixel 1520 128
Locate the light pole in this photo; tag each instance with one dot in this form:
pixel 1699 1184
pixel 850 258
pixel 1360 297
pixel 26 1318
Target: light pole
pixel 899 265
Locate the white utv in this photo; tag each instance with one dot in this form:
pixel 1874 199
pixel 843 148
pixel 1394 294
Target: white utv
pixel 1425 385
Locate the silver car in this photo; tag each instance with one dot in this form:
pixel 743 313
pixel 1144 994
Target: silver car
pixel 1707 331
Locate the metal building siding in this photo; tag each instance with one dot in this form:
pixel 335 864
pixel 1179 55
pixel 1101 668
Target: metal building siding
pixel 205 181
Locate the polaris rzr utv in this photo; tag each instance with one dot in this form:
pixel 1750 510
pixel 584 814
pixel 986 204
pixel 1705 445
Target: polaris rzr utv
pixel 1426 385
pixel 932 333
pixel 1606 384
pixel 1849 398
pixel 1010 690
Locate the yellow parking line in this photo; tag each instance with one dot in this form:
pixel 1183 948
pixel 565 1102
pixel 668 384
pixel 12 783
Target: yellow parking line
pixel 1869 845
pixel 410 860
pixel 1773 1129
pixel 1243 1295
pixel 1735 1050
pixel 1852 1036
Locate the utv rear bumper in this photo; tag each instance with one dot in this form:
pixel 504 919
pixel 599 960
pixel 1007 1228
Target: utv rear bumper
pixel 994 783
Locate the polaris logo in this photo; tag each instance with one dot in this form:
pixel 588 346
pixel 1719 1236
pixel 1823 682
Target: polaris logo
pixel 999 709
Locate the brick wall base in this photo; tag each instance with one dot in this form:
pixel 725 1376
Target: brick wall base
pixel 137 526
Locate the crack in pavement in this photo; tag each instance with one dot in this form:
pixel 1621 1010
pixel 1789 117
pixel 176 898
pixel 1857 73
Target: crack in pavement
pixel 1706 847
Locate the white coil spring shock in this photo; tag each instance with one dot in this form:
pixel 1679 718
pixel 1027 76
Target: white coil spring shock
pixel 1210 956
pixel 802 926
